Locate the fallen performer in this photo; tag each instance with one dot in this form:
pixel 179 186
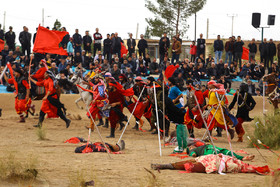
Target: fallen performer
pixel 99 147
pixel 209 149
pixel 213 164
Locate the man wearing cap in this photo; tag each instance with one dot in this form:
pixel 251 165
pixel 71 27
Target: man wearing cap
pixel 22 100
pixel 51 104
pixel 215 91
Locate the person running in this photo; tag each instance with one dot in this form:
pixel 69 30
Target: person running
pixel 51 104
pixel 22 89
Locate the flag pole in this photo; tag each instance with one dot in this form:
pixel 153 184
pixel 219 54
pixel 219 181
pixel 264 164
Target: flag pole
pixel 155 95
pixel 107 150
pixel 29 71
pixel 4 70
pixel 132 113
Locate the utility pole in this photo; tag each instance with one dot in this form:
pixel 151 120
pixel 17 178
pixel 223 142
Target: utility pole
pixel 207 29
pixel 232 20
pixel 194 26
pixel 4 23
pixel 43 17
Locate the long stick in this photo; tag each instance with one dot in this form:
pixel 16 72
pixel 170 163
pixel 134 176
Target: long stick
pixel 95 127
pixel 4 70
pixel 256 147
pixel 213 116
pixel 205 124
pixel 163 106
pixel 131 113
pixel 29 71
pixel 155 95
pixel 259 142
pixel 225 123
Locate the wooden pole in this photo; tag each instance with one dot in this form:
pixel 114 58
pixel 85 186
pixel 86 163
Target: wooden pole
pixel 155 95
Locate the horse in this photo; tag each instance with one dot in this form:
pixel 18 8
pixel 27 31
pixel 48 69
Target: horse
pixel 85 96
pixel 271 90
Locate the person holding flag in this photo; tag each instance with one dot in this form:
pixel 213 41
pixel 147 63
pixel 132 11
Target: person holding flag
pixel 51 104
pixel 22 88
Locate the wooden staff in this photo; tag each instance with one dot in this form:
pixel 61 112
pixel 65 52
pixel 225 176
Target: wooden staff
pixel 155 95
pixel 163 106
pixel 31 57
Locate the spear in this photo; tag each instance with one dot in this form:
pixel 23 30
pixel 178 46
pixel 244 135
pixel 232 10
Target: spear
pixel 256 147
pixel 259 142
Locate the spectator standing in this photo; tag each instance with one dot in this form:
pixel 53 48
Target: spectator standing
pixel 65 39
pixel 1 33
pixel 107 45
pixel 252 50
pixel 70 48
pixel 238 50
pixel 264 52
pixel 77 41
pixel 97 41
pixel 229 50
pixel 218 48
pixel 142 46
pixel 193 51
pixel 178 38
pixel 10 37
pixel 131 44
pixel 176 50
pixel 271 52
pixel 25 40
pixel 87 41
pixel 278 53
pixel 116 44
pixel 200 45
pixel 164 44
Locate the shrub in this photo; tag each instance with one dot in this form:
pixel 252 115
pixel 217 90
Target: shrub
pixel 41 133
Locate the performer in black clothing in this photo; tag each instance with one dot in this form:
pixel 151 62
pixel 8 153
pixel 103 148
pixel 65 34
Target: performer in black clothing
pixel 245 103
pixel 10 38
pixel 107 45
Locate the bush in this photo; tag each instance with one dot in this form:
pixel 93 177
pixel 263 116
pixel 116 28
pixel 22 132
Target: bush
pixel 41 133
pixel 17 170
pixel 268 132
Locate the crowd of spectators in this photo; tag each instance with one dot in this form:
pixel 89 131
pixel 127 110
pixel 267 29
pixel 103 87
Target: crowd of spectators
pixel 97 54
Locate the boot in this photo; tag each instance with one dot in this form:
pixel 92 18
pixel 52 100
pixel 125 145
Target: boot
pixel 112 135
pixel 231 132
pixel 219 132
pixel 136 126
pixel 68 121
pixel 191 132
pixel 100 122
pixel 121 145
pixel 22 119
pixel 32 107
pixel 155 132
pixel 151 129
pixel 161 166
pixel 106 124
pixel 39 125
pixel 121 126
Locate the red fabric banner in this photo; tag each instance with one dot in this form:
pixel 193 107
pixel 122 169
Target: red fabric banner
pixel 123 50
pixel 48 41
pixel 12 76
pixel 170 70
pixel 245 54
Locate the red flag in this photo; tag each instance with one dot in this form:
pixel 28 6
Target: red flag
pixel 12 76
pixel 245 54
pixel 48 41
pixel 123 50
pixel 2 44
pixel 170 70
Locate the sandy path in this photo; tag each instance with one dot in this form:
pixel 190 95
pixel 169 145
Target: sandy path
pixel 58 163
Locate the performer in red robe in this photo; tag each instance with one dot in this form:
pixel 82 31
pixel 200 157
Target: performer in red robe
pixel 22 100
pixel 51 104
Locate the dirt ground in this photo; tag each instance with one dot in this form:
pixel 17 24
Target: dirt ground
pixel 58 165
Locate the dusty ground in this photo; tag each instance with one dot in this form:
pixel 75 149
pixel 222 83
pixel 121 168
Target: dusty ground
pixel 58 164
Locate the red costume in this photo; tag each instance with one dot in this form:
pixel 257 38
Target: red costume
pixel 47 107
pixel 115 96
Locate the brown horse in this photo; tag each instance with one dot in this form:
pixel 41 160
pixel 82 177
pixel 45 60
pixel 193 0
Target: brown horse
pixel 271 90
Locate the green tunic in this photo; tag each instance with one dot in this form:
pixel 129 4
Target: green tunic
pixel 209 150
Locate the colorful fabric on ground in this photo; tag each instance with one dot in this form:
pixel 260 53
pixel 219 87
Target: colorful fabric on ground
pixel 75 140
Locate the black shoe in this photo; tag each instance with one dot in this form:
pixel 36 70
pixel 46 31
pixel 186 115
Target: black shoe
pixel 125 119
pixel 100 122
pixel 112 135
pixel 218 135
pixel 155 132
pixel 192 135
pixel 106 124
pixel 151 129
pixel 121 126
pixel 231 132
pixel 39 125
pixel 68 123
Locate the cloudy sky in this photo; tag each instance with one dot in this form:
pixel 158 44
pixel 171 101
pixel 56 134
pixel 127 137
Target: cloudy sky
pixel 122 16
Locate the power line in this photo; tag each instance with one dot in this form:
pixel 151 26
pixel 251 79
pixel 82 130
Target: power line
pixel 232 19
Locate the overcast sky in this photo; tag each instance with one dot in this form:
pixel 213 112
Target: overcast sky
pixel 122 16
